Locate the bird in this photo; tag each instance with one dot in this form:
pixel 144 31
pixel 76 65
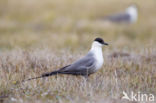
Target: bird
pixel 86 65
pixel 130 15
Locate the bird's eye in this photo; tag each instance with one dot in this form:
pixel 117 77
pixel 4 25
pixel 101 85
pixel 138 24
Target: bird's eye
pixel 101 41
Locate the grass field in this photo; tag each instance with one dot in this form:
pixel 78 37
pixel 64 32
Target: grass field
pixel 37 36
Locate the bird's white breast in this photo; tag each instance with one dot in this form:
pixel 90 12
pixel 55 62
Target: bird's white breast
pixel 97 52
pixel 98 57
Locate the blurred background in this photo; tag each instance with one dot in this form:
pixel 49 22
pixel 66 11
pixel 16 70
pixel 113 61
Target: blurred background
pixel 73 24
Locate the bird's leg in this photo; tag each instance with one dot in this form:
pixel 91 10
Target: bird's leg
pixel 86 77
pixel 56 76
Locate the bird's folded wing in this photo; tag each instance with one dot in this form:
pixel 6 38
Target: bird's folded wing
pixel 80 71
pixel 82 65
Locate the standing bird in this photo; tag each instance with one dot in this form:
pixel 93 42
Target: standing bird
pixel 85 66
pixel 130 15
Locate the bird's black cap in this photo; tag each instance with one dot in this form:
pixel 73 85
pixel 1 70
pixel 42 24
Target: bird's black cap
pixel 101 41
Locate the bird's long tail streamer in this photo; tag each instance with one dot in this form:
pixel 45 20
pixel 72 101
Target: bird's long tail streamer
pixel 42 76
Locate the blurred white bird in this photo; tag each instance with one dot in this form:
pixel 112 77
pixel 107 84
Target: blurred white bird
pixel 130 15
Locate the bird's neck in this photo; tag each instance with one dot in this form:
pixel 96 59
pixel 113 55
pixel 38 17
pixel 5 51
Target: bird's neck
pixel 96 49
pixel 96 46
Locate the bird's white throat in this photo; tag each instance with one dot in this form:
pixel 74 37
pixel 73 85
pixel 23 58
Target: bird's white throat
pixel 96 49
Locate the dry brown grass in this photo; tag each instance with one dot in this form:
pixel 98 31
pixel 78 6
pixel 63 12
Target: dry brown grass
pixel 123 71
pixel 37 23
pixel 37 36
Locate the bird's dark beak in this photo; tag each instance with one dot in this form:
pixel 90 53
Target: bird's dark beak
pixel 105 43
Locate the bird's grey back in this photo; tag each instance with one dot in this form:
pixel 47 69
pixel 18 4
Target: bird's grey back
pixel 122 17
pixel 87 63
pixel 87 60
